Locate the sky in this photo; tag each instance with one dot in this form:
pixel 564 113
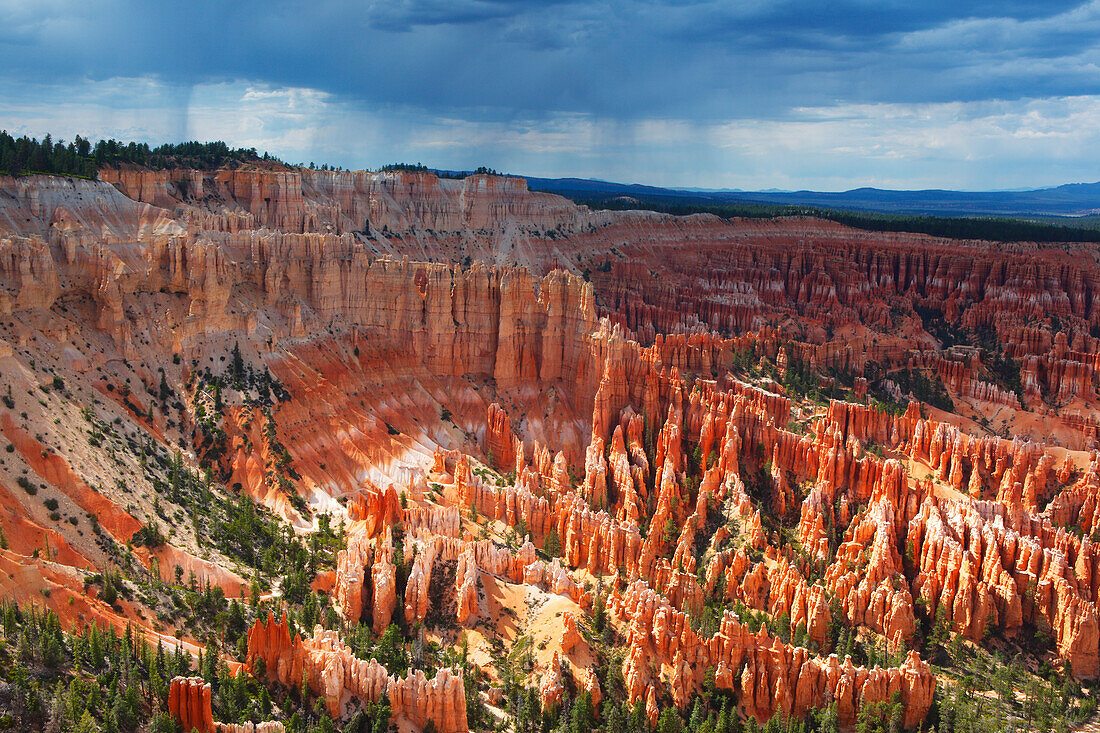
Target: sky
pixel 753 94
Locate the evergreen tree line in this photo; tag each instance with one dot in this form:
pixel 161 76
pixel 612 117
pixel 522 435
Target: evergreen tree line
pixel 421 168
pixel 577 714
pixel 80 157
pixel 95 680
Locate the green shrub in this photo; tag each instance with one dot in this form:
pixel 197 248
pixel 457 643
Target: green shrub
pixel 26 485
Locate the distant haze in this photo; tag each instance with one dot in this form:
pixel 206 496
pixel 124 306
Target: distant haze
pixel 1072 200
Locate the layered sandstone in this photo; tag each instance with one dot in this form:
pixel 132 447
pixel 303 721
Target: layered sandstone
pixel 330 670
pixel 601 363
pixel 189 704
pixel 775 677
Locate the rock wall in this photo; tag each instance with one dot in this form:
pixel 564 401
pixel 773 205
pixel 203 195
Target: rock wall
pixel 189 704
pixel 332 672
pixel 301 201
pixel 774 676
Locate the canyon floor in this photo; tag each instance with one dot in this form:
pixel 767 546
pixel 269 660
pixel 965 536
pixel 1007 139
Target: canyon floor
pixel 310 450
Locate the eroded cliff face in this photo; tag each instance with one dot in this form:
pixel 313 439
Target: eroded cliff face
pixel 500 396
pixel 304 201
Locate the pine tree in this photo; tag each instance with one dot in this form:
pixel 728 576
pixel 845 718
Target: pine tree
pixel 897 714
pixel 531 710
pixel 380 712
pixel 162 723
pixel 669 721
pixel 57 710
pixel 565 710
pixel 698 716
pixel 95 648
pixel 237 365
pixel 583 715
pixel 668 535
pixel 86 724
pixel 208 666
pixel 552 544
pixel 10 620
pixel 829 721
pixel 164 389
pixel 265 702
pixel 638 722
pixel 110 722
pixel 614 717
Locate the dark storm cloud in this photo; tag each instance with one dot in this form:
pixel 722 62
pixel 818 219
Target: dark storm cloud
pixel 829 94
pixel 494 58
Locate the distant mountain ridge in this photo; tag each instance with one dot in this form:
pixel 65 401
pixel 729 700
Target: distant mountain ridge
pixel 1068 200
